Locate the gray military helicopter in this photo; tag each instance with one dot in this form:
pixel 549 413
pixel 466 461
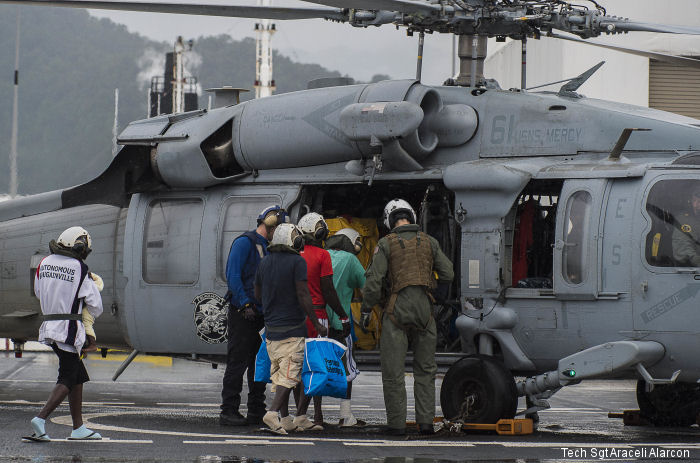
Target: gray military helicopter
pixel 560 212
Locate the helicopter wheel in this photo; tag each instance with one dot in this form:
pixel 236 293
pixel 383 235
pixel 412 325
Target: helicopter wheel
pixel 669 404
pixel 478 389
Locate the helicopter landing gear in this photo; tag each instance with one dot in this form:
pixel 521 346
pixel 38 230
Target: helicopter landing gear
pixel 19 347
pixel 478 389
pixel 675 404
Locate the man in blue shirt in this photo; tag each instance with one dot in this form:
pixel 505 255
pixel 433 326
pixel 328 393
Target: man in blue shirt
pixel 245 321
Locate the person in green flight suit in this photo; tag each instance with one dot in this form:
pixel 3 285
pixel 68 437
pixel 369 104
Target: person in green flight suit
pixel 686 235
pixel 404 264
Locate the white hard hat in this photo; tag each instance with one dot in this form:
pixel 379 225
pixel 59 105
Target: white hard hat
pixel 288 234
pixel 77 239
pixel 313 224
pixel 395 206
pixel 354 237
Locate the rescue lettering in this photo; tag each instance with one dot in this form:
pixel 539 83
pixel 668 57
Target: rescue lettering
pixel 670 303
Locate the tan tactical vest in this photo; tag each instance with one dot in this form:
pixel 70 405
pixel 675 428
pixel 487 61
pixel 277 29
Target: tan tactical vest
pixel 410 264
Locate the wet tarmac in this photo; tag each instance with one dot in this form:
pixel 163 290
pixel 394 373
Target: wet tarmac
pixel 166 410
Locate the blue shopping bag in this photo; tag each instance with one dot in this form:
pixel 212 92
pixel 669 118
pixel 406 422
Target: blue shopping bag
pixel 323 373
pixel 262 362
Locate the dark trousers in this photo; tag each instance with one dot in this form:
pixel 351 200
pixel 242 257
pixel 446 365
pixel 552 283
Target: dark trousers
pixel 243 344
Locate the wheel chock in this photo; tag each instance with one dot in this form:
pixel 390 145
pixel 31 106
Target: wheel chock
pixel 507 427
pixel 630 417
pixel 504 427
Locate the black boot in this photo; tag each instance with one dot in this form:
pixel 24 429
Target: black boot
pixel 395 431
pixel 232 419
pixel 426 429
pixel 254 419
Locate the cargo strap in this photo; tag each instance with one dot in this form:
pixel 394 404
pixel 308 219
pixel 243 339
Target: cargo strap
pixel 61 316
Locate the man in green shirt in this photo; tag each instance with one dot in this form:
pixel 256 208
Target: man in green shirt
pixel 348 275
pixel 404 262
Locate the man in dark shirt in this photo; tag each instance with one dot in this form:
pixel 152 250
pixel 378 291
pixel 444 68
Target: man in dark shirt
pixel 245 321
pixel 280 284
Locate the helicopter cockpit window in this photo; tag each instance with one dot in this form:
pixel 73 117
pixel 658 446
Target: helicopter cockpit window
pixel 171 241
pixel 239 216
pixel 574 256
pixel 674 238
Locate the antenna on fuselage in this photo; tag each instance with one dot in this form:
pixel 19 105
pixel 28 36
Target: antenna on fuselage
pixel 569 89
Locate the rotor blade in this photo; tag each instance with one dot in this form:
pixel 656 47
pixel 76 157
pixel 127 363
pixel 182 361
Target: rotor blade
pixel 624 25
pixel 690 62
pixel 403 6
pixel 205 10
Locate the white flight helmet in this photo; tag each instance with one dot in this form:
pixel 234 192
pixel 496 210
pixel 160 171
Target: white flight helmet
pixel 354 237
pixel 393 208
pixel 288 234
pixel 272 216
pixel 76 239
pixel 313 224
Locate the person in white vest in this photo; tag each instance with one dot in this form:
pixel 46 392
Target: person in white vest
pixel 65 291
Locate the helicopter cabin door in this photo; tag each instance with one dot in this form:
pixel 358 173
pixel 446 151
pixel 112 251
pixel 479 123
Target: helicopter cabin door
pixel 666 298
pixel 163 263
pixel 176 248
pixel 575 270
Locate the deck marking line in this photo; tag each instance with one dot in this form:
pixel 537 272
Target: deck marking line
pixel 417 443
pixel 245 442
pixel 104 440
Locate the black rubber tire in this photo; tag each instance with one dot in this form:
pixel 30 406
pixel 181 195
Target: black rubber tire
pixel 669 404
pixel 485 379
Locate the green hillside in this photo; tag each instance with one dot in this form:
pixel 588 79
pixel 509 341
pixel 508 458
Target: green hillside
pixel 70 64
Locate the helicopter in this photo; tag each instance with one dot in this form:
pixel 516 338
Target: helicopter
pixel 558 211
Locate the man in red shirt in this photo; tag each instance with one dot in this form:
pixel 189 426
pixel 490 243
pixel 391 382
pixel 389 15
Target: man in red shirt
pixel 319 271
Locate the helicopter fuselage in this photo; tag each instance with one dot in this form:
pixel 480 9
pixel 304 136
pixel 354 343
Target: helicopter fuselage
pixel 559 245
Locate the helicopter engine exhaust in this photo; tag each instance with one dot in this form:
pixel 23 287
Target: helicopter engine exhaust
pixel 399 123
pixel 402 121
